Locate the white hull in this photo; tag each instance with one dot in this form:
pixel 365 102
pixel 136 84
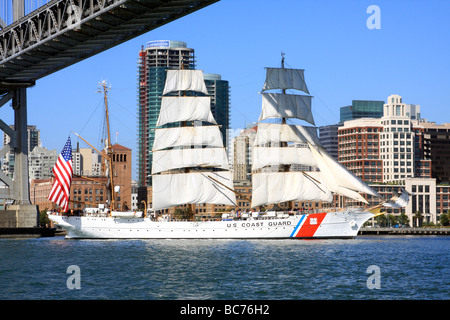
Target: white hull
pixel 341 224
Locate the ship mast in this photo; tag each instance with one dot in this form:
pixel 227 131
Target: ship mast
pixel 285 167
pixel 283 120
pixel 104 89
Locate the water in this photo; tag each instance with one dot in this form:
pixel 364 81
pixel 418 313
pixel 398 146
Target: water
pixel 410 267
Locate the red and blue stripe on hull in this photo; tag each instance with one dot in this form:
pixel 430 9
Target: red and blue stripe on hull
pixel 308 225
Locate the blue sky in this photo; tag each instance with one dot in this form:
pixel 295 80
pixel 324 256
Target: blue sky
pixel 342 58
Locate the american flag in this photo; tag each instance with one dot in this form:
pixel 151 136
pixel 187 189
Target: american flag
pixel 63 177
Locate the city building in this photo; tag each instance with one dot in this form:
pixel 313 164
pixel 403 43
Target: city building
pixel 400 150
pixel 397 139
pixel 41 162
pixel 385 149
pixel 359 148
pixel 242 154
pixel 435 146
pixel 328 137
pixel 219 91
pixel 362 109
pixel 154 60
pixel 121 173
pixel 135 205
pixel 86 162
pixel 84 193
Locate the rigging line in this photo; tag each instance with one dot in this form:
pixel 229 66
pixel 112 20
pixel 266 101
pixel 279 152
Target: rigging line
pixel 326 106
pixel 90 117
pixel 118 118
pixel 318 114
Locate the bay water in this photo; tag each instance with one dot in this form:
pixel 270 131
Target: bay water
pixel 365 268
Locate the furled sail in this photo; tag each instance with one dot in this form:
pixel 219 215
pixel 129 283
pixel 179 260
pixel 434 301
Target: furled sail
pixel 185 80
pixel 281 78
pixel 286 106
pixel 171 190
pixel 176 109
pixel 276 187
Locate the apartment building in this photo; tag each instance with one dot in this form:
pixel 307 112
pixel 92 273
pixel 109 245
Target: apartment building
pixel 359 148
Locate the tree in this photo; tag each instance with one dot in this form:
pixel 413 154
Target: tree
pixel 444 219
pixel 181 214
pixel 381 220
pixel 392 220
pixel 44 221
pixel 403 219
pixel 419 218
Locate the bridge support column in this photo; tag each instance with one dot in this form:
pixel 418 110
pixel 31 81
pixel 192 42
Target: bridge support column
pixel 26 215
pixel 21 183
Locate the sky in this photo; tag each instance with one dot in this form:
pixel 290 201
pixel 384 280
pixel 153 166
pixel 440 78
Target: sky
pixel 343 59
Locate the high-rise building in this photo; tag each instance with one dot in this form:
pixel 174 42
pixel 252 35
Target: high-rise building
pixel 397 139
pixel 41 162
pixel 242 154
pixel 219 91
pixel 359 148
pixel 154 60
pixel 362 109
pixel 435 147
pixel 328 137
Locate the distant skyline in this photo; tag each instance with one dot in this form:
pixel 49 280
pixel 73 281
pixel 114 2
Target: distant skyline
pixel 343 59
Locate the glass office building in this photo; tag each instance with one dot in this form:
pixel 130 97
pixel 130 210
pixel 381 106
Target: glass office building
pixel 362 109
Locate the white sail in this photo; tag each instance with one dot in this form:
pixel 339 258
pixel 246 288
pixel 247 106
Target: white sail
pixel 281 78
pixel 196 147
pixel 276 187
pixel 338 179
pixel 164 160
pixel 171 190
pixel 272 156
pixel 277 133
pixel 185 80
pixel 175 109
pixel 286 106
pixel 347 178
pixel 209 136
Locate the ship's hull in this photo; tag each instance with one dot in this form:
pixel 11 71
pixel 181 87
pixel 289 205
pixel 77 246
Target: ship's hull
pixel 341 225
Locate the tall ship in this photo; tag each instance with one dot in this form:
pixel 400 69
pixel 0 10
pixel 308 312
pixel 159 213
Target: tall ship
pixel 190 167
